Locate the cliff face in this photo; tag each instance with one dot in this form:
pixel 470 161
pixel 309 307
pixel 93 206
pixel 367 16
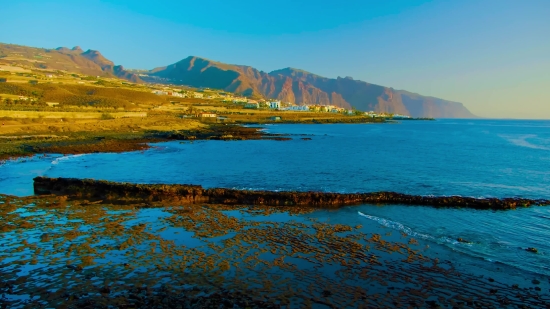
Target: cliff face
pixel 301 87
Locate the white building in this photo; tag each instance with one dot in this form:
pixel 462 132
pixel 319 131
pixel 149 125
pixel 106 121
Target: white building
pixel 298 108
pixel 160 92
pixel 274 104
pixel 398 116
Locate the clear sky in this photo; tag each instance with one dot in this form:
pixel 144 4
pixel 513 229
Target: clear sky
pixel 493 55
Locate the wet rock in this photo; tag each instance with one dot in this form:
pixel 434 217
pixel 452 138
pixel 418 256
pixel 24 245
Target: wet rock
pixel 462 240
pixel 191 194
pixel 535 281
pixel 531 249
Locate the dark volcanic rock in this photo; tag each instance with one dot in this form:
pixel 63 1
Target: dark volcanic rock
pixel 112 191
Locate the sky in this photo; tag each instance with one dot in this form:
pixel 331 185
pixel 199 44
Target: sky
pixel 493 56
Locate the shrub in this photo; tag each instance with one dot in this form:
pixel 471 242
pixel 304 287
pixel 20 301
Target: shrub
pixel 106 116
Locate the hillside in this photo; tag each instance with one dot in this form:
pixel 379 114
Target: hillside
pixel 74 60
pixel 301 87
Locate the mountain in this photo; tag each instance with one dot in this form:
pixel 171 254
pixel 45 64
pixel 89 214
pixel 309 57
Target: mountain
pixel 288 85
pixel 301 87
pixel 90 62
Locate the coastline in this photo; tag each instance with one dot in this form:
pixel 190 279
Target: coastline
pixel 96 142
pixel 423 280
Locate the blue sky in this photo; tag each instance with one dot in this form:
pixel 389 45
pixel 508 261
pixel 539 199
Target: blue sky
pixel 493 55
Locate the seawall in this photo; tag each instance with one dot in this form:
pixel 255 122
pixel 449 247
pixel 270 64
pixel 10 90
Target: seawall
pixel 190 194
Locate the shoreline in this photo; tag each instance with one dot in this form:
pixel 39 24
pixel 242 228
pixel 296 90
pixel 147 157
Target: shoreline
pixel 27 144
pixel 150 265
pixel 195 194
pixel 116 142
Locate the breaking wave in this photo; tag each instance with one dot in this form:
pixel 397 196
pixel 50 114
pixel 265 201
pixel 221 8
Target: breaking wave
pixel 65 158
pixel 407 230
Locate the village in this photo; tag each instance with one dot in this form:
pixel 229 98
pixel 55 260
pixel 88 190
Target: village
pixel 205 104
pixel 263 104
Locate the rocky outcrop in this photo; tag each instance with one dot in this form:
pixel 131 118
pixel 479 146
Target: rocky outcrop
pixel 190 194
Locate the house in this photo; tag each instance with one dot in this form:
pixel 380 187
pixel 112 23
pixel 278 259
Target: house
pixel 240 100
pixel 252 105
pixel 175 94
pixel 160 92
pixel 275 104
pixel 198 95
pixel 222 119
pixel 275 118
pixel 298 108
pixel 49 76
pixel 398 116
pixel 52 104
pixel 207 115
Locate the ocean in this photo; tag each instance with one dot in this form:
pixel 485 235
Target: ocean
pixel 478 158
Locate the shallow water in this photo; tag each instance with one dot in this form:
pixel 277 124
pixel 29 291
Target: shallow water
pixel 480 158
pixel 68 253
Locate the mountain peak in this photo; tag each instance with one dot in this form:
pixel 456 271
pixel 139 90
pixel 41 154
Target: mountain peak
pixel 92 52
pixel 98 58
pixel 77 48
pixel 63 49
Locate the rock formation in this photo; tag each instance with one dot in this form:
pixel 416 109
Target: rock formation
pixel 125 192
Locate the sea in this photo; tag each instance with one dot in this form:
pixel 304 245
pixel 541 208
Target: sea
pixel 476 158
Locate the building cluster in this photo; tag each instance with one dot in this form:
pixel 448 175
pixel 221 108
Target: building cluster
pixel 179 93
pixel 268 104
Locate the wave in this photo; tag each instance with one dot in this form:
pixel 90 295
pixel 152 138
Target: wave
pixel 521 141
pixel 407 230
pixel 65 158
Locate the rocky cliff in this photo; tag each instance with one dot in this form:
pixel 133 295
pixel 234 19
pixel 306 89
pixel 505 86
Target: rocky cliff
pixel 90 62
pixel 301 87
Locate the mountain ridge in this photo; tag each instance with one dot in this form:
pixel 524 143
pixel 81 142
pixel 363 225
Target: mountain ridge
pixel 302 87
pixel 90 62
pixel 287 84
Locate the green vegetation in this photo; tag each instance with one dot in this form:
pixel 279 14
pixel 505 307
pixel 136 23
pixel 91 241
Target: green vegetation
pixel 107 116
pixel 83 95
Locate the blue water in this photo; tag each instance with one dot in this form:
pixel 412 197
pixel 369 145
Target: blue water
pixel 480 158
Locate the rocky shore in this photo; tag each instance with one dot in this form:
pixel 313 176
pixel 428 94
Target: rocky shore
pixel 94 142
pixel 191 194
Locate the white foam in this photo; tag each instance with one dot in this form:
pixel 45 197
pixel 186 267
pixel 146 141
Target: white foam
pixel 521 140
pixel 65 158
pixel 407 230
